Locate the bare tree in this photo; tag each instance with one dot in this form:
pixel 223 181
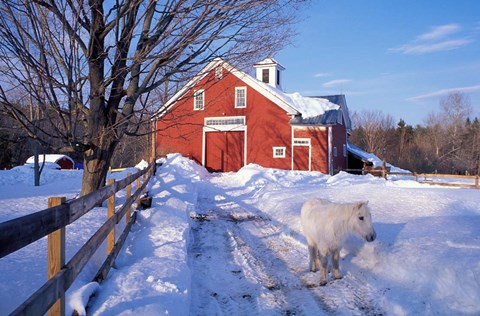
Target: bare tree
pixel 372 131
pixel 91 62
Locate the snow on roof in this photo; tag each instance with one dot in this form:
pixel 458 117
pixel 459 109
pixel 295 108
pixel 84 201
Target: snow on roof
pixel 292 103
pixel 310 107
pixel 376 162
pixel 49 158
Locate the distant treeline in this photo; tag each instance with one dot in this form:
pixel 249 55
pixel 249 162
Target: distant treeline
pixel 448 142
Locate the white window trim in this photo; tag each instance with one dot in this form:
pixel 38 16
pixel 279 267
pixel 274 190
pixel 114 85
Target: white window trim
pixel 236 104
pixel 195 94
pixel 301 142
pixel 224 123
pixel 283 155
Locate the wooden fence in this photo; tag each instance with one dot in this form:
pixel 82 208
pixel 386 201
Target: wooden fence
pixel 20 232
pixel 427 178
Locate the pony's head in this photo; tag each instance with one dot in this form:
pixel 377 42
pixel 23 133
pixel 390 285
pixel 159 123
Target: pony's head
pixel 362 221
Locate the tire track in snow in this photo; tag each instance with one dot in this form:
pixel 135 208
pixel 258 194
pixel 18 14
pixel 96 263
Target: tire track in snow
pixel 243 263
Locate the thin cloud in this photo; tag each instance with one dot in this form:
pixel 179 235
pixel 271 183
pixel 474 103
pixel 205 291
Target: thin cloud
pixel 322 74
pixel 337 82
pixel 443 92
pixel 439 32
pixel 434 41
pixel 432 47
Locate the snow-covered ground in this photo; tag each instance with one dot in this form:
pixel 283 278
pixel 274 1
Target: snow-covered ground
pixel 232 244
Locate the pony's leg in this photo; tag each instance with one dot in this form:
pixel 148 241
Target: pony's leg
pixel 336 264
pixel 313 255
pixel 323 267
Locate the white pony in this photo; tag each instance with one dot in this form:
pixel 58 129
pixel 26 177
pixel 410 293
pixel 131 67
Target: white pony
pixel 326 226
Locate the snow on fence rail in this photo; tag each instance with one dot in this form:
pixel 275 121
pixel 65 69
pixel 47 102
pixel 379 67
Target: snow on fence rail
pixel 20 232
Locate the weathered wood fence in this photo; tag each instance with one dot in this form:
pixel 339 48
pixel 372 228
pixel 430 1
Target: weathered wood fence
pixel 426 178
pixel 20 232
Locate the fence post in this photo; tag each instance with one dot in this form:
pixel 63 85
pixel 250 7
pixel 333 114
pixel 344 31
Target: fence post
pixel 476 182
pixel 56 258
pixel 136 189
pixel 110 213
pixel 145 179
pixel 415 176
pixel 129 194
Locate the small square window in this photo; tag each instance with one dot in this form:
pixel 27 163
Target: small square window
pixel 334 151
pixel 240 97
pixel 199 100
pixel 278 152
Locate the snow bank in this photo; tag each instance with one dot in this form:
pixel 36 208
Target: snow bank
pixel 425 260
pixel 152 276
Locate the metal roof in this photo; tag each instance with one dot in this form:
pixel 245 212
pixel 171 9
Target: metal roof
pixel 330 117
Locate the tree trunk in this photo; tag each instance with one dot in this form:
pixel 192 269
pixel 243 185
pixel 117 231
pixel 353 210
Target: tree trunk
pixel 97 162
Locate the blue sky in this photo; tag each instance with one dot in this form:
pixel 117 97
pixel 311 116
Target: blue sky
pixel 399 57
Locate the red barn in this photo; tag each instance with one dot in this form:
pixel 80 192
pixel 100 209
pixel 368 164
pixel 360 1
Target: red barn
pixel 225 119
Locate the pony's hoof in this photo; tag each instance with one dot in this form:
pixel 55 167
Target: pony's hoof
pixel 337 277
pixel 323 283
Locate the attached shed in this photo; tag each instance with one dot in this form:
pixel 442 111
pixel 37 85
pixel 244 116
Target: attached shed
pixel 64 161
pixel 364 162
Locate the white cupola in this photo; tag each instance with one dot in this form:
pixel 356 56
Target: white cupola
pixel 269 71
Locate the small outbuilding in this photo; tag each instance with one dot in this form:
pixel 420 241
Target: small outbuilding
pixel 64 161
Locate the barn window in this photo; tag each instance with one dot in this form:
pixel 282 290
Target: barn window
pixel 344 150
pixel 278 152
pixel 301 142
pixel 225 123
pixel 265 75
pixel 199 100
pixel 334 151
pixel 240 97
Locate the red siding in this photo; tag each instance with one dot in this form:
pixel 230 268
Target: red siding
pixel 65 163
pixel 267 125
pixel 319 141
pixel 181 129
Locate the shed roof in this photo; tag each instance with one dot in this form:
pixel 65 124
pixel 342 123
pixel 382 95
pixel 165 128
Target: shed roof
pixel 49 158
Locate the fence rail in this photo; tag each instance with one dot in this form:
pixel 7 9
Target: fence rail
pixel 20 232
pixel 426 178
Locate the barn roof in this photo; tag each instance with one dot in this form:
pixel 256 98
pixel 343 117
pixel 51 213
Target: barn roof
pixel 334 115
pixel 329 117
pixel 304 110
